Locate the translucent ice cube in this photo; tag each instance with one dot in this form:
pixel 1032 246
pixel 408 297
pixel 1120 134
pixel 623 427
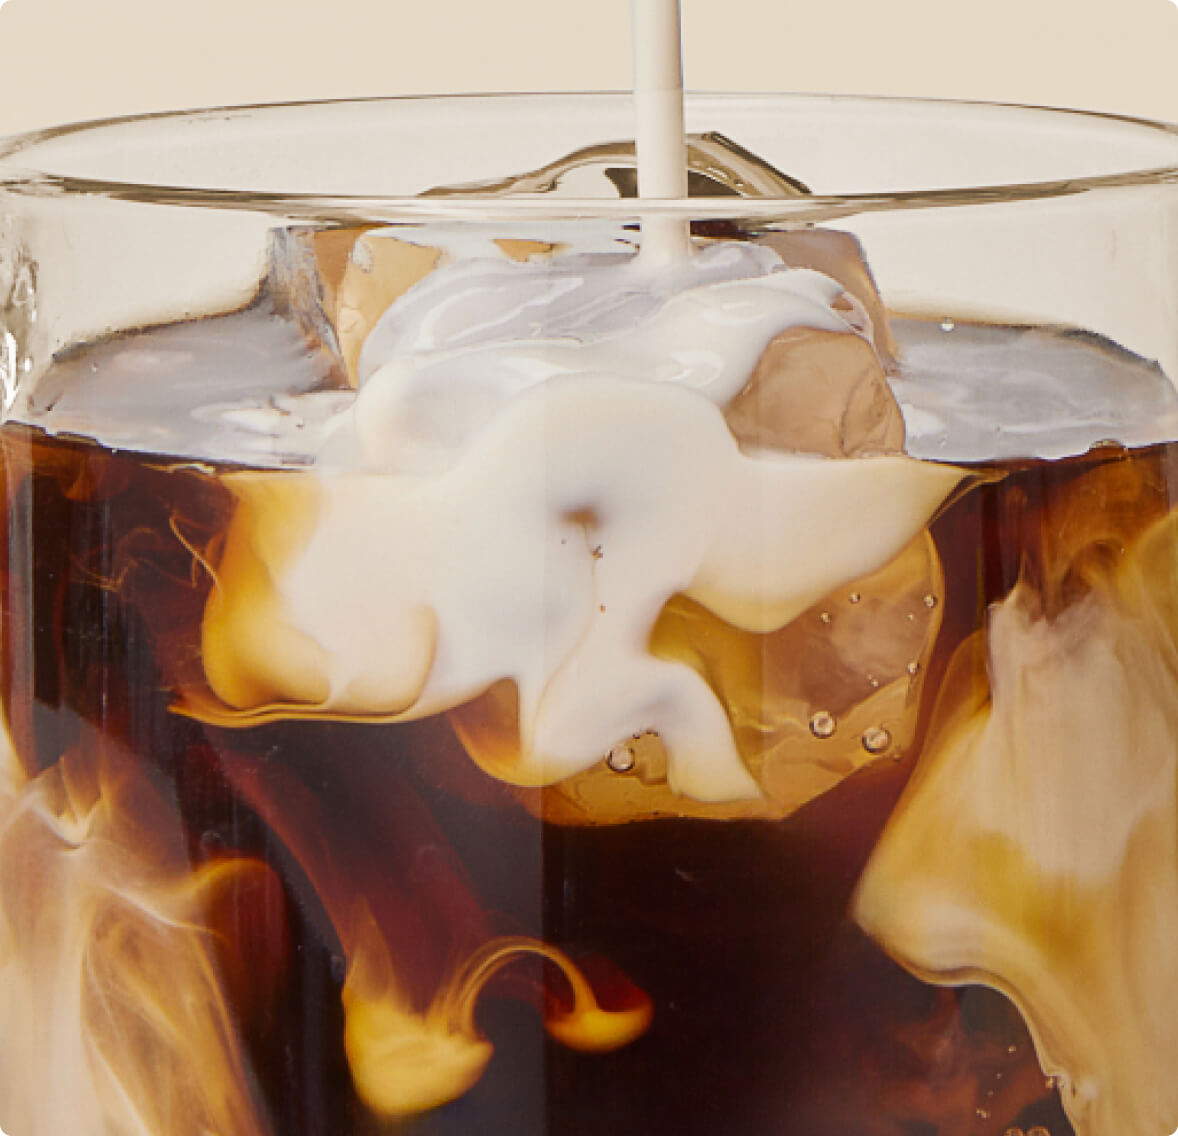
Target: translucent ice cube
pixel 820 392
pixel 336 283
pixel 808 704
pixel 840 256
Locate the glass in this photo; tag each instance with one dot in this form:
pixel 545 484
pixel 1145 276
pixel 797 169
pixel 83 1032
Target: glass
pixel 460 678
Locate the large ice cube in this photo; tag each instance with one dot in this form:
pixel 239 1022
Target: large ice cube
pixel 840 256
pixel 336 283
pixel 819 392
pixel 808 704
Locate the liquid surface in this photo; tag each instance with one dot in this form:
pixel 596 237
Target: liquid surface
pixel 967 394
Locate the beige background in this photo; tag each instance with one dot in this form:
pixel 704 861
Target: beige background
pixel 70 59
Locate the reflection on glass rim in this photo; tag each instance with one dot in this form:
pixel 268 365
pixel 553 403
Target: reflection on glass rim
pixel 24 169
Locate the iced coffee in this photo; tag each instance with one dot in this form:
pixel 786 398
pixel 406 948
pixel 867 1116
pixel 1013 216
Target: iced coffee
pixel 492 683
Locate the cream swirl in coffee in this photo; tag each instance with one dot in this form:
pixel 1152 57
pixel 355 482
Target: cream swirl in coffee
pixel 525 499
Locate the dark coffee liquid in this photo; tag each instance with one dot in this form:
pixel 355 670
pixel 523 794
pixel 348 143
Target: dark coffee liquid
pixel 772 1011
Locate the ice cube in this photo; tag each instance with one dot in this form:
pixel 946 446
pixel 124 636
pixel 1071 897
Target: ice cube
pixel 819 392
pixel 840 256
pixel 802 701
pixel 336 283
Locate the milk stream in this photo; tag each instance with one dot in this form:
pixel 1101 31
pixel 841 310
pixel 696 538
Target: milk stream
pixel 660 135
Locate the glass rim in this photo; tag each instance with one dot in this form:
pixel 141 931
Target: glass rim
pixel 25 178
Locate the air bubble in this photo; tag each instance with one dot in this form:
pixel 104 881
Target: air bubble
pixel 1014 1132
pixel 930 601
pixel 621 758
pixel 826 617
pixel 876 739
pixel 948 325
pixel 982 1114
pixel 823 724
pixel 913 668
pixel 854 598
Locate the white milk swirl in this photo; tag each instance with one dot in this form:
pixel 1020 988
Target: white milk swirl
pixel 467 340
pixel 517 498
